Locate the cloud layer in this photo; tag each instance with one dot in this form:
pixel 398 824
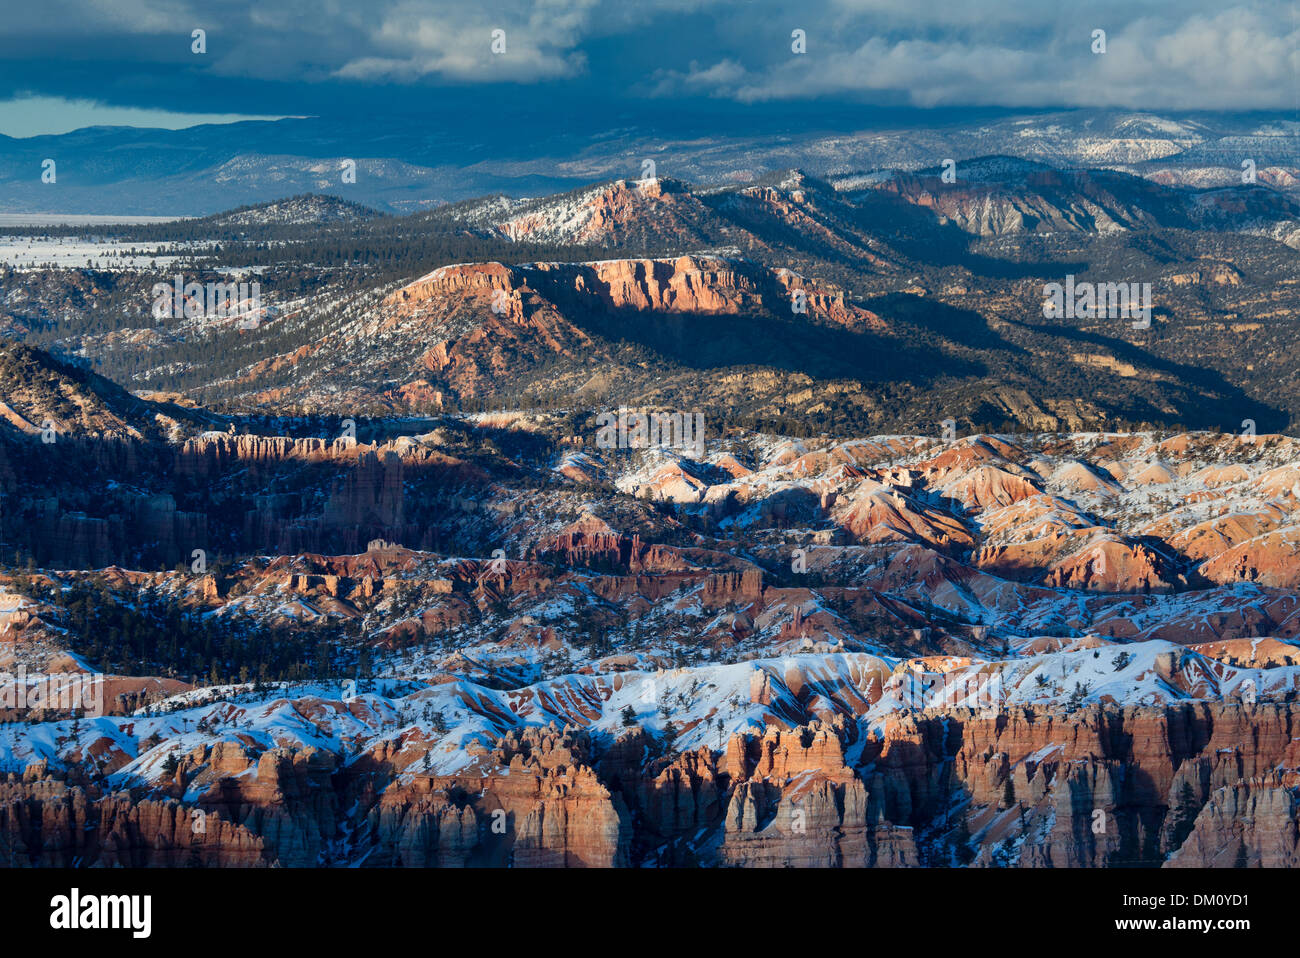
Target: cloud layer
pixel 1183 54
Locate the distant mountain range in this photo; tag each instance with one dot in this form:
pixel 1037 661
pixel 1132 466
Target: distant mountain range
pixel 404 167
pixel 878 303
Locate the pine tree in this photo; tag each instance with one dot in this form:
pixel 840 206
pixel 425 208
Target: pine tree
pixel 669 737
pixel 1243 861
pixel 961 841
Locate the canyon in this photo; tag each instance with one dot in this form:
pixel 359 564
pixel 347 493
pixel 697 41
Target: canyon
pixel 987 651
pixel 940 581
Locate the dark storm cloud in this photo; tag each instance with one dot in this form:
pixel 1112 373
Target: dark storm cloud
pixel 294 56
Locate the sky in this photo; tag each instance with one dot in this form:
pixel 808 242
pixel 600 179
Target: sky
pixel 66 64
